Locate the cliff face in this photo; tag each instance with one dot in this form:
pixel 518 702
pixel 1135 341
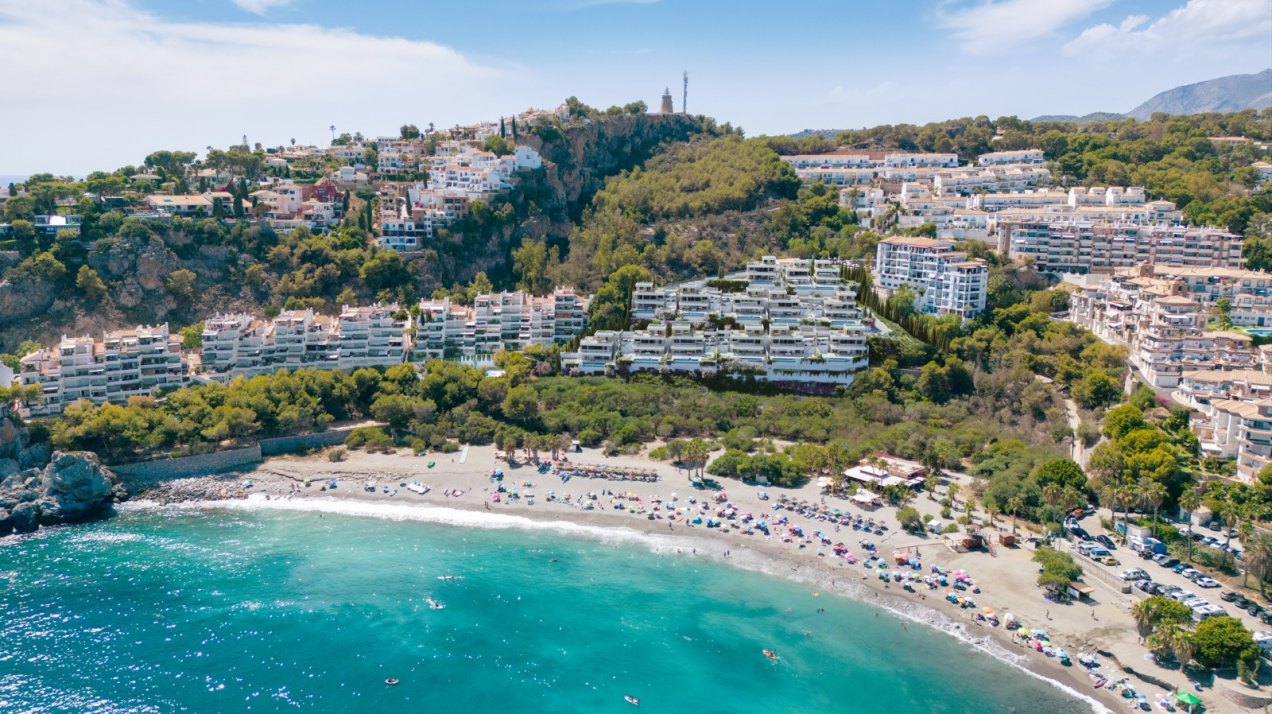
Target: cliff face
pixel 37 488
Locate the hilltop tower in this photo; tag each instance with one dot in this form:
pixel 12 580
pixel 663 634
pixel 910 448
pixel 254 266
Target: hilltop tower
pixel 666 107
pixel 684 103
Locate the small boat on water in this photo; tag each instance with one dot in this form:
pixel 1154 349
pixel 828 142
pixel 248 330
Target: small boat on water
pixel 434 604
pixel 450 577
pixel 631 700
pixel 391 681
pixel 771 655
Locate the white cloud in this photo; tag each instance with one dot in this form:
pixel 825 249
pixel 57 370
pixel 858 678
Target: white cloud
pixel 990 27
pixel 100 83
pixel 1199 25
pixel 260 7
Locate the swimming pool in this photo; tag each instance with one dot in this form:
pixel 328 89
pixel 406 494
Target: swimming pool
pixel 1259 331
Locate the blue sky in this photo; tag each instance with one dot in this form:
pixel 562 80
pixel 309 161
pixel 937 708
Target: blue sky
pixel 103 82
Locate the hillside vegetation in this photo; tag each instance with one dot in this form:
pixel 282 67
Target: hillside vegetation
pixel 125 271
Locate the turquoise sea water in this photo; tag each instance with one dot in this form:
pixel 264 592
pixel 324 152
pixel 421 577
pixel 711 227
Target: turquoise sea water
pixel 226 611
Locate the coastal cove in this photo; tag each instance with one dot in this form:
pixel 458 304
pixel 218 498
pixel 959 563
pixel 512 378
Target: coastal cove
pixel 181 595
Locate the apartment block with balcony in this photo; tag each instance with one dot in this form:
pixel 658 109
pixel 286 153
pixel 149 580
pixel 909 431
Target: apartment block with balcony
pixel 1167 333
pixel 142 361
pixel 1079 246
pixel 793 322
pixel 944 280
pixel 498 321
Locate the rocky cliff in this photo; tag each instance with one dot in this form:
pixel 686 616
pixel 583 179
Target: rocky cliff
pixel 40 489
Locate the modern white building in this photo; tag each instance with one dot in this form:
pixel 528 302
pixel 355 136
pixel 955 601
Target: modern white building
pixel 943 279
pixel 498 321
pixel 1079 246
pixel 793 322
pixel 1167 333
pixel 238 345
pixel 124 363
pixel 1033 157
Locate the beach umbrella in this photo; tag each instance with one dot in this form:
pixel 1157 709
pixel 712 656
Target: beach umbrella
pixel 1187 698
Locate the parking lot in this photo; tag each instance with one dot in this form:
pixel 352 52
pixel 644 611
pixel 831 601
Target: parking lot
pixel 1167 576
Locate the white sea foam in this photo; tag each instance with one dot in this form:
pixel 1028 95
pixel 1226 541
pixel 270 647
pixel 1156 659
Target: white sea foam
pixel 846 582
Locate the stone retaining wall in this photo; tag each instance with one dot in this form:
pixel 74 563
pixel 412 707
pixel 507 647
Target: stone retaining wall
pixel 197 465
pixel 304 442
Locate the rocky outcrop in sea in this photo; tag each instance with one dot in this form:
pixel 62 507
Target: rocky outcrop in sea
pixel 40 489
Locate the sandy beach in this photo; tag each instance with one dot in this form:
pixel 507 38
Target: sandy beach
pixel 461 492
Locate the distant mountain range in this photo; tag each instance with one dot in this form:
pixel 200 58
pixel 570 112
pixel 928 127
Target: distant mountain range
pixel 1225 94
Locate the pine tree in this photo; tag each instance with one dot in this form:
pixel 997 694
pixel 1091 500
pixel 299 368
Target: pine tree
pixel 514 129
pixel 502 133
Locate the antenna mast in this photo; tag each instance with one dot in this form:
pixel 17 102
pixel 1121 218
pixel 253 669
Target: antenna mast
pixel 684 102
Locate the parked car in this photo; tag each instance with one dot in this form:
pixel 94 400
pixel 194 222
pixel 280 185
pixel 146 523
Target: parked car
pixel 1198 536
pixel 1190 573
pixel 1206 612
pixel 1182 595
pixel 1168 590
pixel 1205 582
pixel 1196 602
pixel 1080 532
pixel 1106 541
pixel 1266 617
pixel 1166 561
pixel 1255 609
pixel 1134 574
pixel 1148 586
pixel 1178 568
pixel 1231 596
pixel 1109 560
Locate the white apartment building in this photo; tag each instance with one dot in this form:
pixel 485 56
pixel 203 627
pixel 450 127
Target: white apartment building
pixel 792 322
pixel 1231 416
pixel 989 179
pixel 945 281
pixel 1166 333
pixel 239 345
pixel 838 175
pixel 1248 292
pixel 1089 246
pixel 899 160
pixel 498 321
pixel 124 363
pixel 1019 156
pixel 832 160
pixel 372 336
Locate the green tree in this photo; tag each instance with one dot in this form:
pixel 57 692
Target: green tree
pixel 521 406
pixel 1122 420
pixel 90 283
pixel 1096 390
pixel 19 208
pixel 497 145
pixel 191 336
pixel 1058 570
pixel 24 235
pixel 531 261
pixel 1061 473
pixel 1155 611
pixel 1222 642
pixel 180 283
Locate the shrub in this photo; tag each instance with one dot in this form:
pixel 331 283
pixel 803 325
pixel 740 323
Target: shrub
pixel 337 454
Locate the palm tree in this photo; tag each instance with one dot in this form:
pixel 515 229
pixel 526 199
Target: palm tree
pixel 1151 495
pixel 1145 613
pixel 1190 501
pixel 1258 556
pixel 1014 504
pixel 1173 639
pixel 1126 496
pixel 1051 494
